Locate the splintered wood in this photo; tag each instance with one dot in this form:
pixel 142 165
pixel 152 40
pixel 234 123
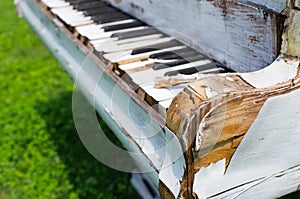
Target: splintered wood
pixel 213 114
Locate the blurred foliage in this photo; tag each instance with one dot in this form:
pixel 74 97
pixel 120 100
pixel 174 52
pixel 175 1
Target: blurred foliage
pixel 41 155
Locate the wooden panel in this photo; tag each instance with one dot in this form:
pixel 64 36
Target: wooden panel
pixel 276 6
pixel 291 36
pixel 243 37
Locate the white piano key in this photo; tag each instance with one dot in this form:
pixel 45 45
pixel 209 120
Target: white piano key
pixel 113 41
pixel 91 27
pixel 137 39
pixel 139 64
pixel 55 3
pixel 160 94
pixel 112 46
pixel 72 17
pixel 126 55
pixel 149 75
pixel 134 65
pixel 96 33
pixel 165 104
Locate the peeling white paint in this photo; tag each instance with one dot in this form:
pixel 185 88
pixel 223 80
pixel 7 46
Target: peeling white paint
pixel 208 175
pixel 271 145
pixel 281 70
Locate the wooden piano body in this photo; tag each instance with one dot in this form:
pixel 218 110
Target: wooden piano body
pixel 227 135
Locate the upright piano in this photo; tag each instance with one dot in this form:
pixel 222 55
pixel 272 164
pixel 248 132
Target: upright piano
pixel 203 94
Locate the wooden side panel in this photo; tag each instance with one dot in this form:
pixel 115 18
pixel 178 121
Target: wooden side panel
pixel 276 6
pixel 241 36
pixel 269 150
pixel 291 36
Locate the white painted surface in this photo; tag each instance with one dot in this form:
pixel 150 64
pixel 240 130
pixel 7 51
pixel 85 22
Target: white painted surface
pixel 281 70
pixel 271 145
pixel 275 5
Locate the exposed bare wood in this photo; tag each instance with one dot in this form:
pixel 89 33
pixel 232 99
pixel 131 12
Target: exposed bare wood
pixel 227 107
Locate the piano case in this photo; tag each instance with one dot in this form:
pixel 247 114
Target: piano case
pixel 216 117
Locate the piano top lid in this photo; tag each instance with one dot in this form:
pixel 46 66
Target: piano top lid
pixel 243 35
pixel 277 6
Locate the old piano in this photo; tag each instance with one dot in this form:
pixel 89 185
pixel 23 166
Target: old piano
pixel 203 94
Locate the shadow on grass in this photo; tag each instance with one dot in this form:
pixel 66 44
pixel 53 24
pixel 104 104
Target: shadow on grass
pixel 90 178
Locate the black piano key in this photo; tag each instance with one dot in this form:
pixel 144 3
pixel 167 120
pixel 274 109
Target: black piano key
pixel 150 48
pixel 176 54
pixel 89 5
pixel 123 26
pixel 135 33
pixel 166 53
pixel 192 70
pixel 111 17
pixel 178 62
pixel 99 11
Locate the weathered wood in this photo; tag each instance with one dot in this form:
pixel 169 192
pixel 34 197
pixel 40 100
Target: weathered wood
pixel 221 121
pixel 227 108
pixel 242 36
pixel 270 146
pixel 291 36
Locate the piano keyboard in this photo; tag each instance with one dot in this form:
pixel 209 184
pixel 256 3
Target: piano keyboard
pixel 138 53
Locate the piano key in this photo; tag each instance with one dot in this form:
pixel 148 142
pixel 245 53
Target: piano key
pixel 135 33
pixel 153 47
pixel 165 104
pixel 55 3
pixel 192 70
pixel 111 17
pixel 93 27
pixel 180 61
pixel 149 75
pixel 123 45
pixel 177 54
pixel 134 65
pixel 77 1
pixel 126 57
pixel 139 65
pixel 71 17
pixel 83 4
pixel 98 11
pixel 213 71
pixel 160 94
pixel 98 36
pixel 112 42
pixel 115 27
pixel 89 5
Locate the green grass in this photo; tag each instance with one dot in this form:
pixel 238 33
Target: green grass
pixel 41 155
